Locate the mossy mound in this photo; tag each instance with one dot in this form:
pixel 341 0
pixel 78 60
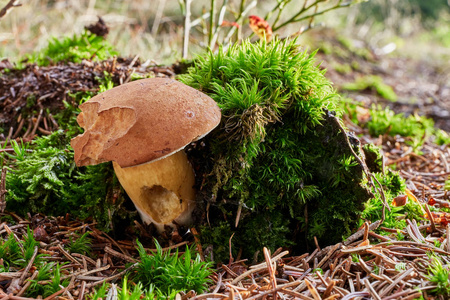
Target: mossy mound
pixel 280 162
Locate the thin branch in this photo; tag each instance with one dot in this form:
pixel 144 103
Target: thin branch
pixel 238 20
pixel 241 10
pixel 212 25
pixel 293 19
pixel 158 16
pixel 10 5
pixel 280 7
pixel 200 19
pixel 187 28
pixel 280 11
pixel 222 12
pixel 3 190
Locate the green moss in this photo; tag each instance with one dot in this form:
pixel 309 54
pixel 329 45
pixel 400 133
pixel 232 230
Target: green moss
pixel 280 153
pixel 355 65
pixel 441 137
pixel 374 158
pixel 417 128
pixel 447 184
pixel 413 211
pixel 170 273
pixel 326 47
pixel 350 49
pixel 43 178
pixel 342 68
pixel 393 186
pixel 372 82
pixel 219 236
pixel 395 217
pixel 392 182
pixel 73 49
pixel 438 274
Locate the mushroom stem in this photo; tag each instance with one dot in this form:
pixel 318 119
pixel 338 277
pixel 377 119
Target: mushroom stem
pixel 162 190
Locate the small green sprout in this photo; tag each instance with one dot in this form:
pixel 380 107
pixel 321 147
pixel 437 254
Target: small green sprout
pixel 439 275
pixel 139 293
pixel 400 266
pixel 400 236
pixel 320 270
pixel 80 245
pixel 50 272
pixel 136 293
pixel 447 184
pixel 29 244
pixel 171 272
pixel 437 244
pixel 10 251
pixel 17 254
pixel 376 269
pixel 100 293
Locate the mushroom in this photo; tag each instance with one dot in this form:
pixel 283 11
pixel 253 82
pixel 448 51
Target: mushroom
pixel 143 127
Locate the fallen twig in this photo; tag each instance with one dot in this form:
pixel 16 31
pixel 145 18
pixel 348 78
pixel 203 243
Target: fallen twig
pixel 7 8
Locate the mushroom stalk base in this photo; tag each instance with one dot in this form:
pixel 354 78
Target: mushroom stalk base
pixel 162 191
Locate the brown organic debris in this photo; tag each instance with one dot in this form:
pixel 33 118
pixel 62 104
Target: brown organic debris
pixel 83 272
pixel 29 97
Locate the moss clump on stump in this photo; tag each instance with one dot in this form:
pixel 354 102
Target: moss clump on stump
pixel 280 161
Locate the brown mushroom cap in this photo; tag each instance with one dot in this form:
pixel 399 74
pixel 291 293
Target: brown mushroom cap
pixel 142 121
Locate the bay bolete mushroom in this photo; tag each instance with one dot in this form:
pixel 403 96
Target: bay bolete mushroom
pixel 143 127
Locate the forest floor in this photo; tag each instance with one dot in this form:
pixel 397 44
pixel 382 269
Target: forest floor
pixel 367 265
